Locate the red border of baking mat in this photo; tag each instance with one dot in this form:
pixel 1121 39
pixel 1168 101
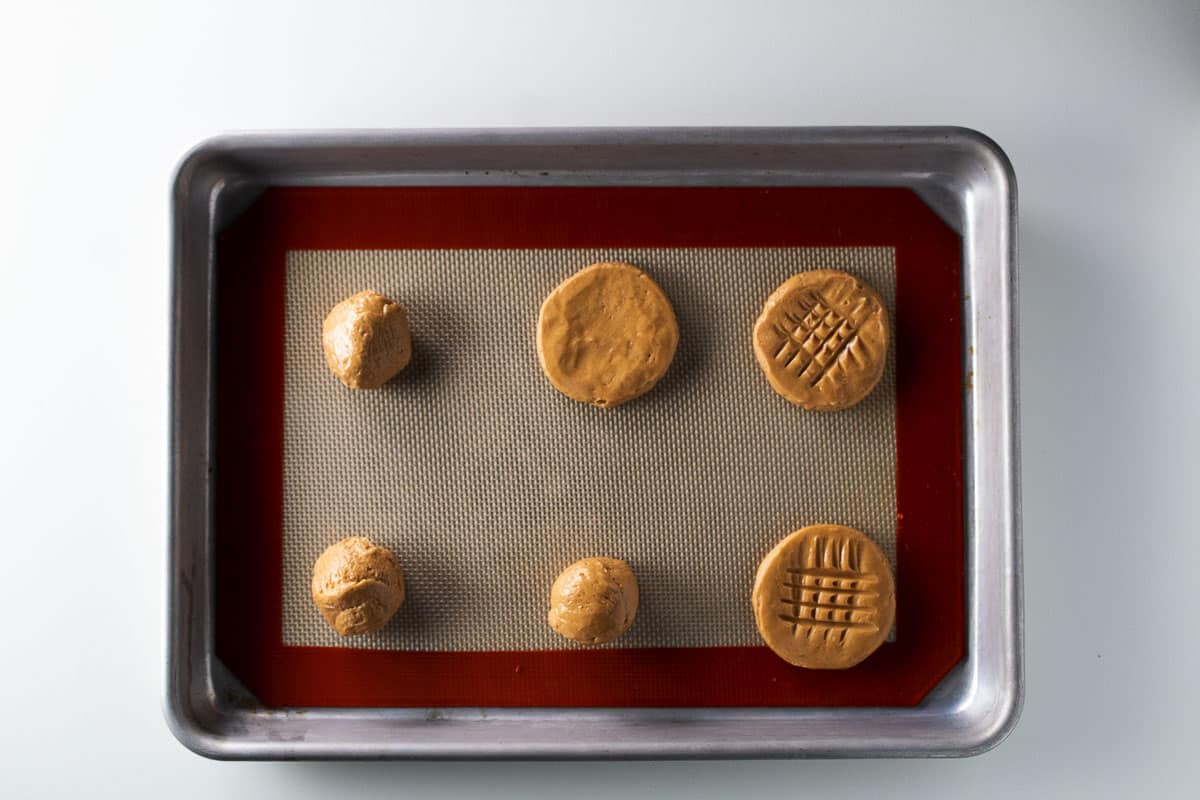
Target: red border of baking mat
pixel 249 441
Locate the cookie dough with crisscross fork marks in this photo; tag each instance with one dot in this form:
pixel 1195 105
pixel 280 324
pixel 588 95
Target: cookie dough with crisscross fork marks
pixel 822 340
pixel 824 597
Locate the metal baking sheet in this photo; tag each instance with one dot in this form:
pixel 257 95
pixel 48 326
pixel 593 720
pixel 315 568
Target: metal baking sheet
pixel 959 173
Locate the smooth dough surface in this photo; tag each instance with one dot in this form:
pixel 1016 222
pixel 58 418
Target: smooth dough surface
pixel 594 600
pixel 607 334
pixel 357 586
pixel 822 339
pixel 824 597
pixel 366 340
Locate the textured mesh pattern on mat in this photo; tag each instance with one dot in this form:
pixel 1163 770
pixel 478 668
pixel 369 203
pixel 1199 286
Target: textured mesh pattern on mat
pixel 486 482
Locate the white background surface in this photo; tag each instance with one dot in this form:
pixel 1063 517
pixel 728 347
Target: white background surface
pixel 1098 104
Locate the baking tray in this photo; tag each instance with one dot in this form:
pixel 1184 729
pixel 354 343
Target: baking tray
pixel 959 174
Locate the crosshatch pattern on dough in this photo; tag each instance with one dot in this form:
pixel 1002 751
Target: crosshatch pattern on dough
pixel 487 482
pixel 826 593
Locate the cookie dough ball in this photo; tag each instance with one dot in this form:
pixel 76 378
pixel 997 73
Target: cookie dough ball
pixel 824 597
pixel 822 340
pixel 357 586
pixel 366 340
pixel 606 334
pixel 594 600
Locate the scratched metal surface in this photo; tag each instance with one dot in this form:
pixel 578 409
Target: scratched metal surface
pixel 961 174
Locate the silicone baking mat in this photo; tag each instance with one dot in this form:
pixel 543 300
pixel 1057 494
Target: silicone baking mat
pixel 487 482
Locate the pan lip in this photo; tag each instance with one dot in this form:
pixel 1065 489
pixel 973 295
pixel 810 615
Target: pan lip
pixel 960 173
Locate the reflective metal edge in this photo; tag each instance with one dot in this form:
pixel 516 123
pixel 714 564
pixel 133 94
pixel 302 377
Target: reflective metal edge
pixel 961 174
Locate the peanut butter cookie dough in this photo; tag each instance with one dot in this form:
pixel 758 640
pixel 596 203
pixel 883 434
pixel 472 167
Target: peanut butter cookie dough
pixel 607 334
pixel 824 597
pixel 366 340
pixel 357 586
pixel 822 340
pixel 594 600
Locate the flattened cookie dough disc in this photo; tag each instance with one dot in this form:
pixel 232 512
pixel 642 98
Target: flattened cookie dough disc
pixel 366 340
pixel 594 600
pixel 822 340
pixel 606 334
pixel 824 597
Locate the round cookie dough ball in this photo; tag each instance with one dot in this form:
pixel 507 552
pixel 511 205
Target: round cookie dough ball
pixel 606 334
pixel 357 586
pixel 366 340
pixel 594 600
pixel 822 339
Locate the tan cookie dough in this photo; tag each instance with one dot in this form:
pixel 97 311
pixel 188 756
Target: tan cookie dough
pixel 357 586
pixel 606 334
pixel 366 340
pixel 824 597
pixel 822 339
pixel 594 600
